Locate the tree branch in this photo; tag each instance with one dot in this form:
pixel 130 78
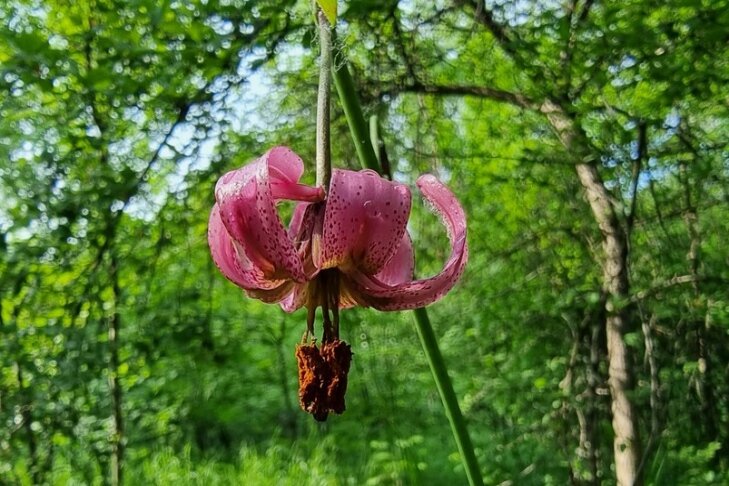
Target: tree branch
pixel 496 94
pixel 485 17
pixel 637 167
pixel 675 281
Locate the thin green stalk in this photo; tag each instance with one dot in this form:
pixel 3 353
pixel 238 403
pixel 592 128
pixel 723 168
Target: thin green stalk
pixel 379 147
pixel 323 146
pixel 375 141
pixel 357 125
pixel 447 395
pixel 352 110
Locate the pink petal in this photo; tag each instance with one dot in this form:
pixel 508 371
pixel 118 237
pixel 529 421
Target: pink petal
pixel 364 221
pixel 270 296
pixel 233 262
pixel 283 169
pixel 305 230
pixel 297 218
pixel 247 197
pixel 296 298
pixel 399 268
pixel 418 293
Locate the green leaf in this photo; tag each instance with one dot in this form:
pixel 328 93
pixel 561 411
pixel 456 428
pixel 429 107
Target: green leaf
pixel 329 7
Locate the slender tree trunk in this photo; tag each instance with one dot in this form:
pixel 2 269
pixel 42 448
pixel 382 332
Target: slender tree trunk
pixel 584 470
pixel 26 410
pixel 650 357
pixel 704 390
pixel 27 415
pixel 591 399
pixel 117 433
pixel 289 418
pixel 626 444
pixel 614 264
pixel 615 282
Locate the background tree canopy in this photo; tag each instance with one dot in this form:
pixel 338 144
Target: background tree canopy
pixel 587 141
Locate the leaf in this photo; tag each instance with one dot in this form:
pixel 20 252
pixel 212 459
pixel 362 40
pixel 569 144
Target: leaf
pixel 329 7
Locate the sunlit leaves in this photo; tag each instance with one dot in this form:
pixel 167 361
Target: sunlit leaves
pixel 91 89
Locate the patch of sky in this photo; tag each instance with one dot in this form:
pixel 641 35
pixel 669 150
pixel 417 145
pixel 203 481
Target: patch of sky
pixel 19 17
pixel 519 12
pixel 619 70
pixel 220 25
pixel 239 107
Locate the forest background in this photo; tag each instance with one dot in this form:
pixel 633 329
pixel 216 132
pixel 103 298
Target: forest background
pixel 587 141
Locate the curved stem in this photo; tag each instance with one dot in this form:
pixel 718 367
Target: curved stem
pixel 323 148
pixel 368 159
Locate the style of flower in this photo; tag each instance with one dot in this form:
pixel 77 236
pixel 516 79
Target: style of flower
pixel 348 247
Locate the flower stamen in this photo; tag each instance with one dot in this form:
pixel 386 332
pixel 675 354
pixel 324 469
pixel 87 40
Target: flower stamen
pixel 323 370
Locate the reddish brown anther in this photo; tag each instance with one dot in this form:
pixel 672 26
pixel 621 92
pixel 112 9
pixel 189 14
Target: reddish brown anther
pixel 312 378
pixel 338 356
pixel 323 377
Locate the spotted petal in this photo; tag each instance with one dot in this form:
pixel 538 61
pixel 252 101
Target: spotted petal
pixel 235 265
pixel 364 221
pixel 378 292
pixel 246 200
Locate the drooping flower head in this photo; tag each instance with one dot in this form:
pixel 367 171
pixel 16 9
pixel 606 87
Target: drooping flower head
pixel 348 247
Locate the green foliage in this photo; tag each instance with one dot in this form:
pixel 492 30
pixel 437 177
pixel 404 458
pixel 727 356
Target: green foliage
pixel 117 118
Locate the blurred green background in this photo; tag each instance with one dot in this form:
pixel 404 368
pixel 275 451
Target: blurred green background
pixel 125 357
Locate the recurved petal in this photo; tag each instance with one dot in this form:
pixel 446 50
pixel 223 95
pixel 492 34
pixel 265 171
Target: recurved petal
pixel 231 261
pixel 364 221
pixel 418 293
pixel 247 201
pixel 281 167
pixel 285 169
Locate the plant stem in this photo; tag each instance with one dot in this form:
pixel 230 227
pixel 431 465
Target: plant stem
pixel 375 139
pixel 357 125
pixel 323 146
pixel 352 110
pixel 379 147
pixel 447 395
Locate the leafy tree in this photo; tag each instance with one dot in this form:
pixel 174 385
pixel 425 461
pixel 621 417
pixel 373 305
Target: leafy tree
pixel 588 339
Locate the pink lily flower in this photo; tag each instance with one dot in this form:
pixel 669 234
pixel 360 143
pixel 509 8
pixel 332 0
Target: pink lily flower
pixel 350 249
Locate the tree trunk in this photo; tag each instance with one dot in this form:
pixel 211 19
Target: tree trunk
pixel 117 433
pixel 626 444
pixel 27 415
pixel 704 391
pixel 650 358
pixel 614 264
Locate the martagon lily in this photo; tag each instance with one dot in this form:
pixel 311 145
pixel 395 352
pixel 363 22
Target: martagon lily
pixel 344 248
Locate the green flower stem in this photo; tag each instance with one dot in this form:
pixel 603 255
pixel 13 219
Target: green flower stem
pixel 368 159
pixel 375 140
pixel 447 395
pixel 323 146
pixel 352 110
